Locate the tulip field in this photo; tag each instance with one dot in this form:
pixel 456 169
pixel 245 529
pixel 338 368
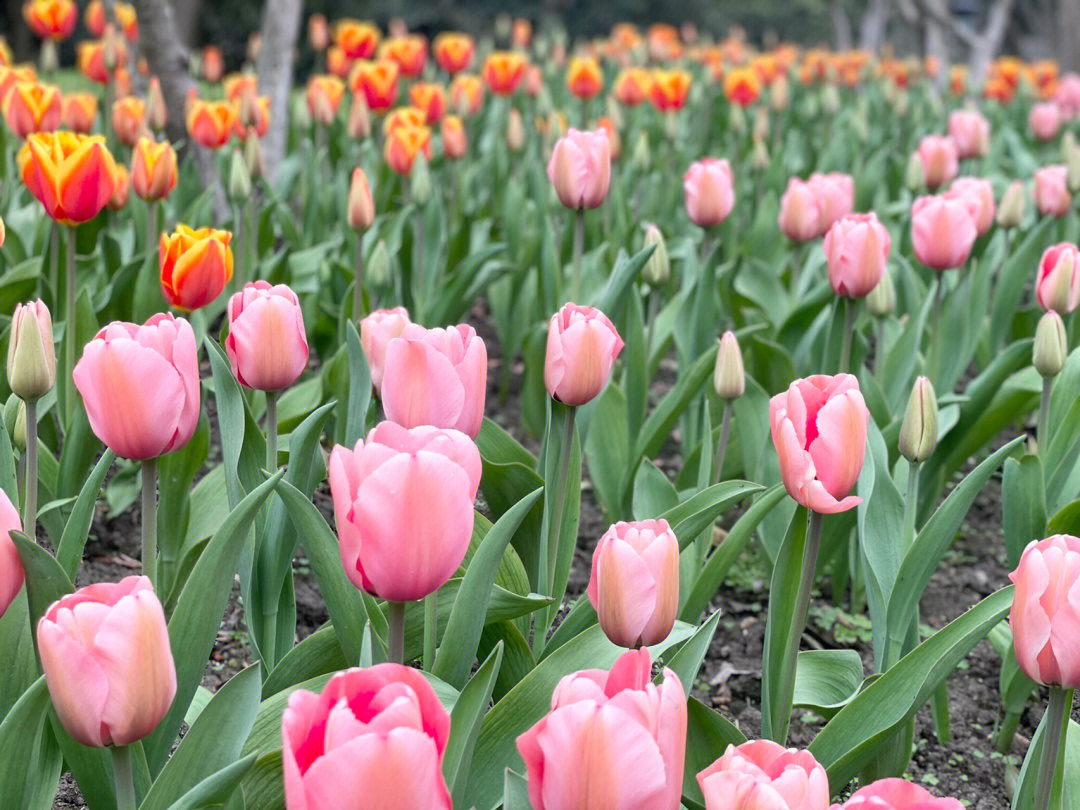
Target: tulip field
pixel 645 422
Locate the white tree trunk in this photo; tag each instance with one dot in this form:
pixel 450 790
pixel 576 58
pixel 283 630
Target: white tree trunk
pixel 874 22
pixel 280 27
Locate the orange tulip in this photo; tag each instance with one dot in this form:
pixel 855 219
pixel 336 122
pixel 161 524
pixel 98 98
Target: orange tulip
pixel 91 58
pixel 357 40
pixel 404 117
pixel 238 85
pixel 584 78
pixel 521 34
pixel 211 123
pixel 260 121
pixel 71 175
pixel 51 19
pixel 11 76
pixel 466 94
pixel 128 119
pixel 121 188
pixel 742 86
pixel 337 63
pixel 378 81
pixel 318 32
pixel 503 72
pixel 430 98
pixel 410 53
pixel 453 51
pixel 669 88
pixel 632 86
pixel 79 111
pixel 455 143
pixel 5 53
pixel 32 108
pixel 213 64
pixel 403 144
pixel 153 169
pixel 195 266
pixel 94 17
pixel 324 94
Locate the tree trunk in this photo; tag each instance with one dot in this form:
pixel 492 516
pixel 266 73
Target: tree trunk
pixel 874 21
pixel 1067 48
pixel 186 14
pixel 841 26
pixel 280 28
pixel 935 37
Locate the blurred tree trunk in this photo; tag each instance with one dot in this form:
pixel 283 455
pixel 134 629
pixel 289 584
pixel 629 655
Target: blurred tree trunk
pixel 935 38
pixel 186 13
pixel 874 22
pixel 1066 33
pixel 280 27
pixel 841 26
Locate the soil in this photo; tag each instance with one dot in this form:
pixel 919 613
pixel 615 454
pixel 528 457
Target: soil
pixel 966 766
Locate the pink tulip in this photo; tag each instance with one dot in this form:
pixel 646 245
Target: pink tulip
pixel 140 385
pixel 1045 614
pixel 835 192
pixel 819 429
pixel 613 739
pixel 11 570
pixel 763 775
pixel 896 794
pixel 942 231
pixel 107 661
pixel 940 159
pixel 1051 191
pixel 970 131
pixel 267 344
pixel 978 194
pixel 582 345
pixel 403 502
pixel 436 377
pixel 857 250
pixel 634 585
pixel 1058 284
pixel 375 738
pixel 580 168
pixel 800 211
pixel 1067 95
pixel 376 332
pixel 710 191
pixel 1044 121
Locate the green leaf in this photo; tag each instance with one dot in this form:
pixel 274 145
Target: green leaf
pixel 1065 772
pixel 29 756
pixel 607 447
pixel 562 479
pixel 316 655
pixel 515 792
pixel 653 492
pixel 18 664
pixel 708 734
pixel 216 789
pixel 694 515
pixel 622 276
pixel 827 680
pixel 359 387
pixel 45 579
pixel 686 662
pixel 469 710
pixel 659 423
pixel 1023 505
pixel 77 529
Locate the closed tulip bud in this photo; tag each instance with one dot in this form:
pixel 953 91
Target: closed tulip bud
pixel 780 94
pixel 729 378
pixel 11 570
pixel 861 124
pixel 358 124
pixel 943 231
pixel 31 359
pixel 914 179
pixel 376 332
pixel 195 266
pixel 1051 191
pixel 420 181
pixel 378 265
pixel 737 120
pixel 897 794
pixel 1010 211
pixel 857 250
pixel 801 211
pixel 515 131
pixel 709 192
pixel 582 345
pixel 882 299
pixel 153 169
pixel 919 430
pixel 239 177
pixel 640 158
pixel 1072 161
pixel 361 211
pixel 580 168
pixel 107 661
pixel 1051 345
pixel 759 156
pixel 253 156
pixel 762 773
pixel 657 269
pixel 1057 285
pixel 761 124
pixel 157 114
pixel 830 99
pixel 267 345
pixel 18 430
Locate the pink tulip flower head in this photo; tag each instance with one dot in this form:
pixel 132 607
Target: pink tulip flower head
pixel 800 211
pixel 763 774
pixel 1044 120
pixel 940 160
pixel 942 231
pixel 970 131
pixel 857 250
pixel 710 192
pixel 267 345
pixel 376 332
pixel 978 193
pixel 1067 95
pixel 582 345
pixel 1051 191
pixel 1058 284
pixel 11 570
pixel 580 168
pixel 896 794
pixel 835 192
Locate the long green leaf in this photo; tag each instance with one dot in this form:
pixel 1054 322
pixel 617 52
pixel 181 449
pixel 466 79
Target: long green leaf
pixel 465 720
pixel 29 756
pixel 77 529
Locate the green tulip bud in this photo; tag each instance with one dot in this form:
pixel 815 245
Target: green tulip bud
pixel 378 265
pixel 239 177
pixel 1051 346
pixel 729 378
pixel 18 430
pixel 420 180
pixel 640 157
pixel 657 269
pixel 914 175
pixel 882 299
pixel 919 430
pixel 31 358
pixel 1011 209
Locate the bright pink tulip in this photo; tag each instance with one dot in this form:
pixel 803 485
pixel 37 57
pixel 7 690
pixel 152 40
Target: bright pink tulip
pixel 376 332
pixel 582 345
pixel 710 191
pixel 940 159
pixel 819 429
pixel 1044 120
pixel 140 385
pixel 857 250
pixel 107 661
pixel 267 344
pixel 11 570
pixel 896 794
pixel 1058 284
pixel 612 739
pixel 978 194
pixel 436 377
pixel 942 231
pixel 1045 614
pixel 800 211
pixel 580 168
pixel 634 585
pixel 763 775
pixel 403 502
pixel 1051 191
pixel 835 192
pixel 970 131
pixel 375 738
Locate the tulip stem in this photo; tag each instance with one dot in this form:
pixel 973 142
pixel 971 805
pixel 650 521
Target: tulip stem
pixel 849 332
pixel 54 262
pixel 358 287
pixel 1054 719
pixel 30 483
pixel 271 431
pixel 151 224
pixel 395 642
pixel 149 520
pixel 431 628
pixel 579 250
pixel 125 783
pixel 70 337
pixel 721 444
pixel 1042 430
pixel 932 360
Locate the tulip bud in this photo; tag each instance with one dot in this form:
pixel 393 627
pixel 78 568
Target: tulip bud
pixel 420 181
pixel 18 431
pixel 780 94
pixel 359 122
pixel 882 299
pixel 1011 210
pixel 729 378
pixel 1072 161
pixel 657 269
pixel 239 177
pixel 860 124
pixel 1051 346
pixel 31 360
pixel 378 265
pixel 914 175
pixel 361 206
pixel 759 156
pixel 830 99
pixel 919 430
pixel 253 155
pixel 640 157
pixel 157 114
pixel 515 131
pixel 761 124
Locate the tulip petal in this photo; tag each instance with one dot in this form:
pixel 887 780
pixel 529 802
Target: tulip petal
pixel 626 592
pixel 838 450
pixel 420 385
pixel 77 683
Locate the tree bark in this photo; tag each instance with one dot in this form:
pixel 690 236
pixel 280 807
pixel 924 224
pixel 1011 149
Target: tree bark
pixel 874 21
pixel 186 14
pixel 280 28
pixel 841 26
pixel 1067 50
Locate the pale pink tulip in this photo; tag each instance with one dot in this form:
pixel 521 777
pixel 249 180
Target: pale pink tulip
pixel 857 250
pixel 403 503
pixel 267 345
pixel 1067 95
pixel 612 739
pixel 11 570
pixel 582 345
pixel 942 231
pixel 1057 286
pixel 978 193
pixel 800 211
pixel 763 775
pixel 580 168
pixel 940 159
pixel 634 585
pixel 436 377
pixel 896 794
pixel 376 332
pixel 710 192
pixel 140 385
pixel 819 428
pixel 970 131
pixel 1045 614
pixel 835 192
pixel 375 738
pixel 107 661
pixel 1044 120
pixel 1051 191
